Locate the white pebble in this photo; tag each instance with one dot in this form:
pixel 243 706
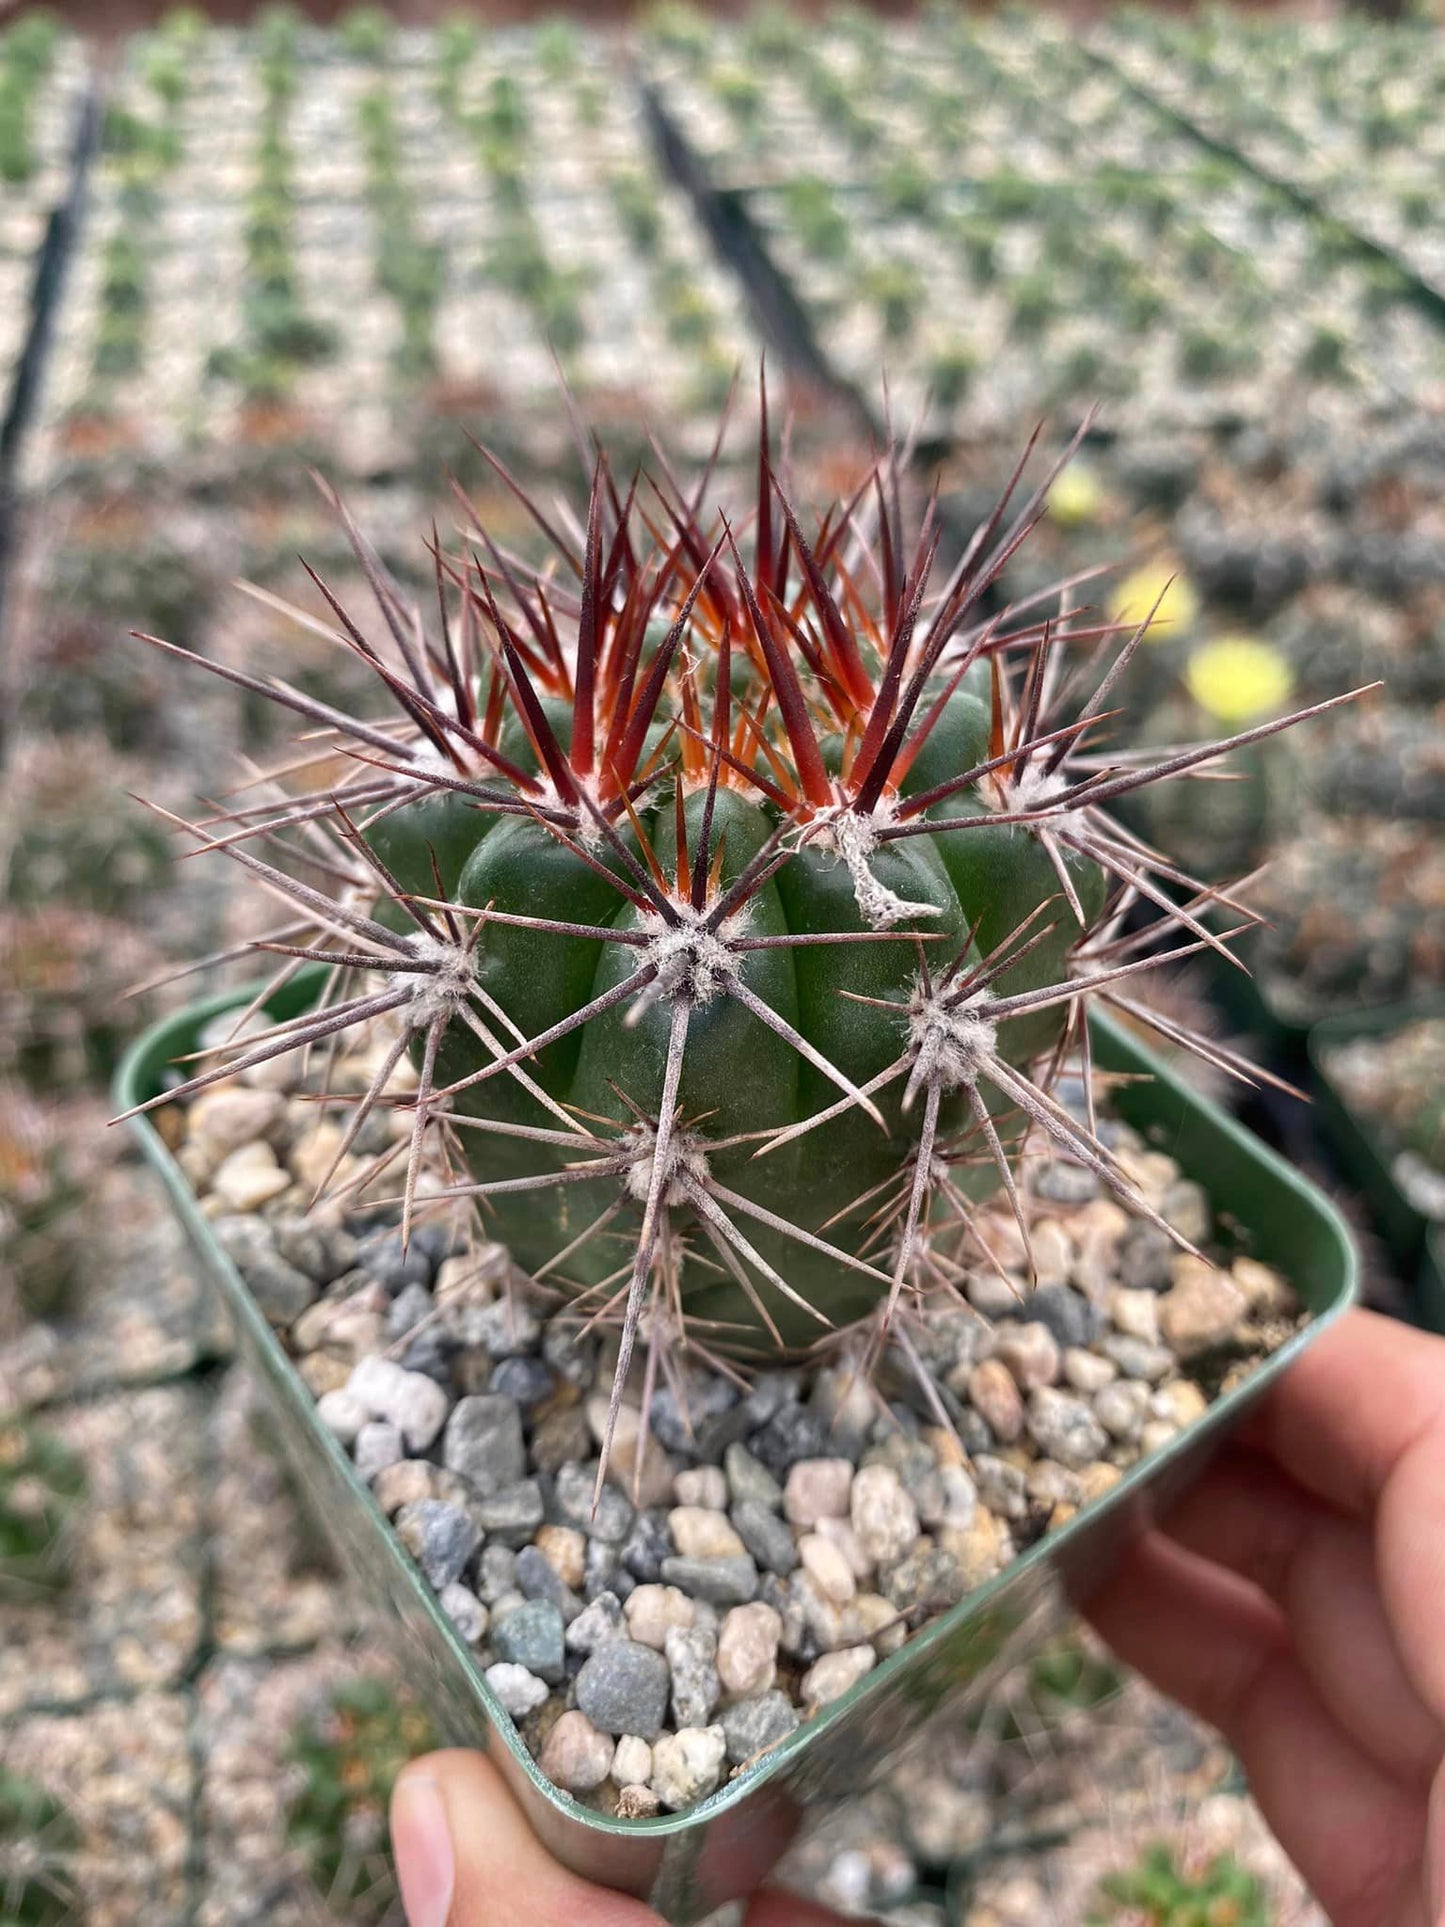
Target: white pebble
pixel 884 1517
pixel 688 1765
pixel 700 1534
pixel 250 1178
pixel 827 1568
pixel 653 1611
pixel 831 1676
pixel 519 1691
pixel 632 1762
pixel 817 1489
pixel 342 1414
pixel 466 1612
pixel 378 1445
pixel 747 1650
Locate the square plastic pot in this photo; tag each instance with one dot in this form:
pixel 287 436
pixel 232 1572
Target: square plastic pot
pixel 687 1864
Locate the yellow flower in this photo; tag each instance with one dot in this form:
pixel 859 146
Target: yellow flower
pixel 1156 582
pixel 1239 680
pixel 1076 497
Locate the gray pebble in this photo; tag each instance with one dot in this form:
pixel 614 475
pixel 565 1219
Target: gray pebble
pixel 531 1636
pixel 692 1660
pixel 767 1536
pixel 407 1310
pixel 624 1688
pixel 322 1251
pixel 513 1514
pixel 1185 1206
pixel 440 1537
pixel 751 1725
pixel 1063 1182
pixel 537 1578
pixel 378 1445
pixel 519 1691
pixel 483 1442
pixel 1136 1357
pixel 928 1579
pixel 382 1258
pixel 430 1354
pixel 562 1437
pixel 1067 1313
pixel 1064 1428
pixel 793 1433
pixel 281 1290
pixel 1146 1258
pixel 504 1329
pixel 596 1624
pixel 572 1504
pixel 750 1480
pixel 677 1423
pixel 496 1573
pixel 1001 1486
pixel 525 1379
pixel 603 1571
pixel 646 1546
pixel 571 1354
pixel 722 1582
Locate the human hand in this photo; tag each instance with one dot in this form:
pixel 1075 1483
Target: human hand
pixel 1295 1599
pixel 466 1857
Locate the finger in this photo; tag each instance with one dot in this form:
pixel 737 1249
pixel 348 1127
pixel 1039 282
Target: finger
pixel 466 1857
pixel 1319 1568
pixel 774 1908
pixel 1213 1643
pixel 1346 1412
pixel 1410 1542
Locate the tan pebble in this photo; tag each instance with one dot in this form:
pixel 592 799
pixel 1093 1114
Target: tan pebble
pixel 1050 1484
pixel 827 1568
pixel 653 1611
pixel 565 1550
pixel 822 1616
pixel 994 1395
pixel 702 1485
pixel 944 1445
pixel 747 1650
pixel 232 1115
pixel 831 1676
pixel 638 1803
pixel 313 1156
pixel 404 1483
pixel 1135 1312
pixel 575 1755
pixel 1031 1353
pixel 817 1489
pixel 1053 1251
pixel 1061 1515
pixel 1156 1434
pixel 1096 1480
pixel 321 1373
pixel 1269 1295
pixel 839 1533
pixel 978 1548
pixel 1087 1371
pixel 250 1177
pixel 1152 1173
pixel 648 1483
pixel 1202 1308
pixel 877 1621
pixel 702 1534
pixel 1180 1402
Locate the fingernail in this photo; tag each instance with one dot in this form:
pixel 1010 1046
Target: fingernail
pixel 421 1840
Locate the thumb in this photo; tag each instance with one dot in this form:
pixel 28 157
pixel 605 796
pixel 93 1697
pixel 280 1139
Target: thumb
pixel 466 1857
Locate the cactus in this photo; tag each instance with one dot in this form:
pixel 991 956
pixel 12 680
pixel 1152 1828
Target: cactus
pixel 42 1487
pixel 739 914
pixel 38 1843
pixel 1159 1893
pixel 349 1755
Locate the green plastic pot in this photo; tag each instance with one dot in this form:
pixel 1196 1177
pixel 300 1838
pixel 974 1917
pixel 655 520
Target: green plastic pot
pixel 687 1864
pixel 1366 1159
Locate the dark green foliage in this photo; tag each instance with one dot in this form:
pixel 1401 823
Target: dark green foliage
pixel 42 1488
pixel 349 1754
pixel 38 1840
pixel 1156 1892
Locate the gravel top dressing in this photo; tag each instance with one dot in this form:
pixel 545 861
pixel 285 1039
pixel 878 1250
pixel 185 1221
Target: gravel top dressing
pixel 761 1542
